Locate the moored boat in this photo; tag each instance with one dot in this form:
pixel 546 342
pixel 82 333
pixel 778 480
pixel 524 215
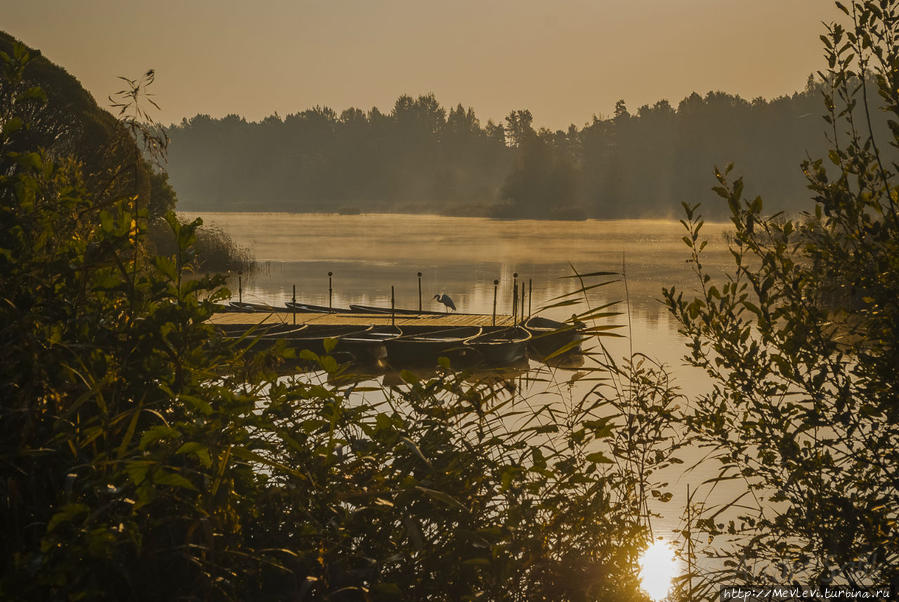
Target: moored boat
pixel 263 329
pixel 549 337
pixel 251 307
pixel 309 308
pixel 371 309
pixel 369 345
pixel 501 346
pixel 262 336
pixel 425 344
pixel 303 336
pixel 314 335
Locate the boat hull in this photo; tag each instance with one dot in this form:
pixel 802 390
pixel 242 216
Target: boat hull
pixel 426 346
pixel 502 346
pixel 306 308
pixel 370 345
pixel 549 336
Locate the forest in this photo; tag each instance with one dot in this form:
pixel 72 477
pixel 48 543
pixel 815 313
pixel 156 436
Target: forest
pixel 422 157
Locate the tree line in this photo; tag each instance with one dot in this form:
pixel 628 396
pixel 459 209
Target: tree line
pixel 423 157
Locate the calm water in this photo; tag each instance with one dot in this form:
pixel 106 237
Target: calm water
pixel 462 256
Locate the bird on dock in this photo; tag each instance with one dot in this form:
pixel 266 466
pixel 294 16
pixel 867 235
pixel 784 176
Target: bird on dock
pixel 445 299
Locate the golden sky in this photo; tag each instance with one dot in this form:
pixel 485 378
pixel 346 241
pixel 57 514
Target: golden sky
pixel 565 60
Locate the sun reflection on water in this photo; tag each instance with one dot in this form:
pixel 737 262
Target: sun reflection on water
pixel 658 568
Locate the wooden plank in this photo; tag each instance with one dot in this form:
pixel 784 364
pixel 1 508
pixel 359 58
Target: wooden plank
pixel 235 318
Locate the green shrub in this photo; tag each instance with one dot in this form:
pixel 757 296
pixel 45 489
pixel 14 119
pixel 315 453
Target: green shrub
pixel 144 457
pixel 799 343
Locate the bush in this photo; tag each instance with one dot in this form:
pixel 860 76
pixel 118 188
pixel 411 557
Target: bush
pixel 800 345
pixel 144 457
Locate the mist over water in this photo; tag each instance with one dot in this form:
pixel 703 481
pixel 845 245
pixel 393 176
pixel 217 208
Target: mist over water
pixel 462 256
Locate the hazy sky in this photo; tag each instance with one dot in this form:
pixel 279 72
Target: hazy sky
pixel 564 60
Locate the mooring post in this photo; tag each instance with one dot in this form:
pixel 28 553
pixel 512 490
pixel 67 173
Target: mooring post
pixel 521 317
pixel 419 292
pixel 240 287
pixel 515 298
pixel 293 305
pixel 330 294
pixel 392 307
pixel 495 285
pixel 530 294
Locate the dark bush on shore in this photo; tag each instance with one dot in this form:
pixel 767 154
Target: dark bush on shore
pixel 216 251
pixel 146 457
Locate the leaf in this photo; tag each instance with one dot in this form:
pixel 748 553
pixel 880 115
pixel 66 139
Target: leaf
pixel 387 589
pixel 443 497
pixel 328 364
pixel 157 433
pixel 599 458
pixel 566 347
pixel 247 454
pixel 416 450
pixel 201 405
pixel 414 532
pixel 308 355
pixel 137 470
pixel 66 514
pixel 197 449
pixel 409 377
pixel 172 479
pixel 13 125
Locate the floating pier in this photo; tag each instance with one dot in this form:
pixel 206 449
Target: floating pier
pixel 358 319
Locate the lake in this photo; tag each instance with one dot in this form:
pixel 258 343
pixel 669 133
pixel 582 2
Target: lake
pixel 461 257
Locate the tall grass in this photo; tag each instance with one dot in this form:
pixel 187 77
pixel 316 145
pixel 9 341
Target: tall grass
pixel 216 251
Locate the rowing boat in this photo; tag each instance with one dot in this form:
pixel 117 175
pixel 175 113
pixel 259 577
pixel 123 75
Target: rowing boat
pixel 550 337
pixel 250 307
pixel 308 308
pixel 314 335
pixel 369 345
pixel 501 346
pixel 262 336
pixel 425 344
pixel 371 309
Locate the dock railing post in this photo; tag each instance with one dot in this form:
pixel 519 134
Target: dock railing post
pixel 240 287
pixel 330 294
pixel 521 317
pixel 515 298
pixel 495 285
pixel 293 306
pixel 392 307
pixel 530 294
pixel 419 292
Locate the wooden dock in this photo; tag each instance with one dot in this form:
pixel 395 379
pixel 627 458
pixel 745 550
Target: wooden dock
pixel 349 319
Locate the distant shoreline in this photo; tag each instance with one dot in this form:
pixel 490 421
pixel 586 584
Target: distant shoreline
pixel 201 212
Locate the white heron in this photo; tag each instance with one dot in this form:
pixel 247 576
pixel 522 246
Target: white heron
pixel 445 299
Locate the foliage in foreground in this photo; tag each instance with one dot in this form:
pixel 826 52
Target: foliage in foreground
pixel 800 344
pixel 116 158
pixel 144 457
